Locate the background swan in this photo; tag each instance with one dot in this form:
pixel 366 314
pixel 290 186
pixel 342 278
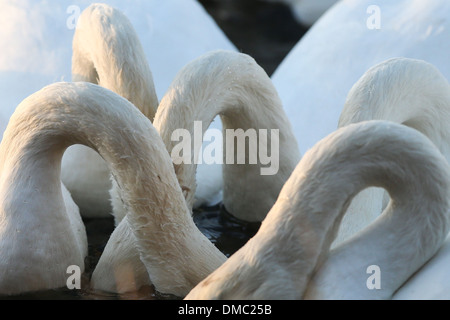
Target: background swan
pixel 340 47
pixel 295 237
pixel 37 41
pixel 408 91
pixel 107 51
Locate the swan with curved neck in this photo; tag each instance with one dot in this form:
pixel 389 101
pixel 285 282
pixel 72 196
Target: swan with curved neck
pixel 289 257
pixel 234 86
pixel 41 231
pixel 107 52
pixel 63 114
pixel 407 91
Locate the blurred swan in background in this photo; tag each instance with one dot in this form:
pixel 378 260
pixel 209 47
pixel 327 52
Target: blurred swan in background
pixel 289 257
pixel 343 44
pixel 37 40
pixel 350 38
pixel 106 51
pixel 408 91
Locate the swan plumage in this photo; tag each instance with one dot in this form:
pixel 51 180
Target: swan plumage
pixel 31 60
pixel 337 50
pixel 234 86
pixel 108 52
pixel 408 91
pixel 41 230
pixel 289 257
pixel 340 47
pixel 431 282
pixel 69 113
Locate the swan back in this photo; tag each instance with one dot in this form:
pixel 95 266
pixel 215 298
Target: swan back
pixel 296 235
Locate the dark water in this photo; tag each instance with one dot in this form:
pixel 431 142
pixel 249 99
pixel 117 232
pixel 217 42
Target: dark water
pixel 267 32
pixel 221 228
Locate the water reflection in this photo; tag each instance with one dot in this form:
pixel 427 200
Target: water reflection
pixel 224 230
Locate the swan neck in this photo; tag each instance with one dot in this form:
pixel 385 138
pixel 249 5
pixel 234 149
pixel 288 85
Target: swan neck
pixel 407 91
pixel 234 87
pixel 108 52
pixel 63 114
pixel 407 166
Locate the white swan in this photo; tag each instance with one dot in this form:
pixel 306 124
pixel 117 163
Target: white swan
pixel 236 87
pixel 431 282
pixel 408 91
pixel 106 51
pixel 67 113
pixel 37 41
pixel 41 231
pixel 343 44
pixel 289 257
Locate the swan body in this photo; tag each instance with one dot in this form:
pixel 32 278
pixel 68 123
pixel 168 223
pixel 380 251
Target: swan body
pixel 41 231
pixel 84 113
pixel 408 91
pixel 289 257
pixel 106 51
pixel 431 282
pixel 340 47
pixel 222 83
pixel 37 41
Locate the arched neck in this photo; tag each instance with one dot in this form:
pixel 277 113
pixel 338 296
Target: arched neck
pixel 62 114
pixel 409 232
pixel 297 233
pixel 107 51
pixel 407 91
pixel 233 86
